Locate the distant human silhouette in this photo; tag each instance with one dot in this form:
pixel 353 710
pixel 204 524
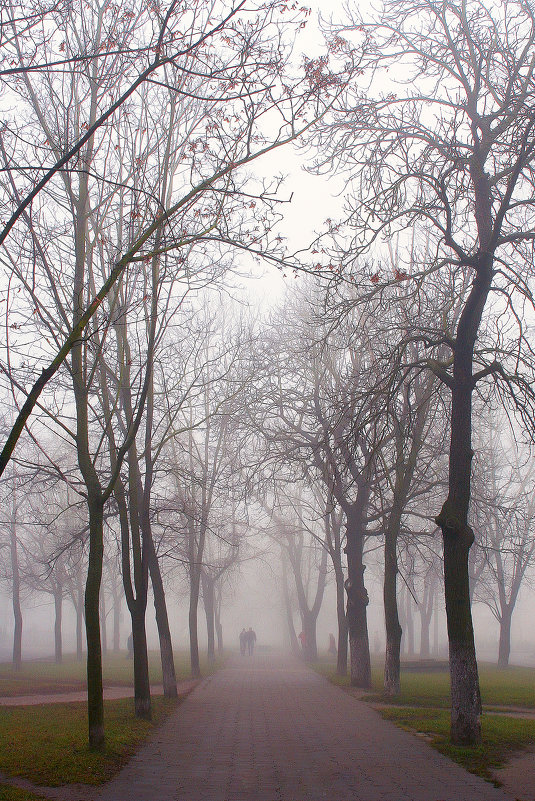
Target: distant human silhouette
pixel 332 644
pixel 303 640
pixel 243 641
pixel 251 641
pixel 130 645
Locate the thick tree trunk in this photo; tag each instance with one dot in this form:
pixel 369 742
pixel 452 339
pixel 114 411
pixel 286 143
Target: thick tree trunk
pixel 453 518
pixel 465 697
pixel 142 699
pixel 209 610
pixel 392 624
pixel 58 614
pixel 504 647
pixel 341 657
pixel 95 701
pixel 15 589
pixel 357 600
pixel 310 650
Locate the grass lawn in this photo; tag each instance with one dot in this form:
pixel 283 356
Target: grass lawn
pixel 48 744
pixel 514 686
pixel 8 793
pixel 44 676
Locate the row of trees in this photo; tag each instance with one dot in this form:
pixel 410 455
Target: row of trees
pixel 124 193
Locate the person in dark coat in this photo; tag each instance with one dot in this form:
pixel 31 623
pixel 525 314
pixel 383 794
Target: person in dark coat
pixel 251 641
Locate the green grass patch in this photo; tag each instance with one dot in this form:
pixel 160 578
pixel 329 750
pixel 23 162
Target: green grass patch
pixel 8 793
pixel 501 737
pixel 48 744
pixel 514 686
pixel 45 676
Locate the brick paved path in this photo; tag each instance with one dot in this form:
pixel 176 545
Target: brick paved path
pixel 267 729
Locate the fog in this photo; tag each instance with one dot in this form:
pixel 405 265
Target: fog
pixel 255 600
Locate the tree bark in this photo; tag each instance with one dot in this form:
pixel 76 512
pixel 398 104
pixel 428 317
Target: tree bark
pixel 292 636
pixel 409 624
pixel 453 518
pixel 103 627
pixel 357 599
pixel 142 699
pixel 209 610
pixel 504 647
pixel 79 619
pixel 162 622
pixel 219 631
pixel 15 590
pixel 116 619
pixel 135 600
pixel 392 624
pixel 341 657
pixel 58 610
pixel 436 644
pixel 95 700
pixel 310 650
pixel 426 610
pixel 192 621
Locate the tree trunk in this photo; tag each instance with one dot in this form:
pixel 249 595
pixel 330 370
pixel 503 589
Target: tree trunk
pixel 79 620
pixel 95 701
pixel 310 651
pixel 425 622
pixel 453 518
pixel 392 624
pixel 219 633
pixel 436 644
pixel 193 625
pixel 15 589
pixel 504 648
pixel 142 700
pixel 209 610
pixel 465 697
pixel 292 636
pixel 58 613
pixel 116 621
pixel 136 591
pixel 162 622
pixel 426 611
pixel 409 623
pixel 357 600
pixel 103 627
pixel 341 657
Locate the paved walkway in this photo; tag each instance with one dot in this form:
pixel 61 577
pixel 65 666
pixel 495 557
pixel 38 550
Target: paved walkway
pixel 268 729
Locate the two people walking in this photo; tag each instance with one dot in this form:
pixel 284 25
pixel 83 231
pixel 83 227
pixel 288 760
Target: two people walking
pixel 247 641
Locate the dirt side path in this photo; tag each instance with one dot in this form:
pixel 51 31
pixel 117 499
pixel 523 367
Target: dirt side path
pixel 110 694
